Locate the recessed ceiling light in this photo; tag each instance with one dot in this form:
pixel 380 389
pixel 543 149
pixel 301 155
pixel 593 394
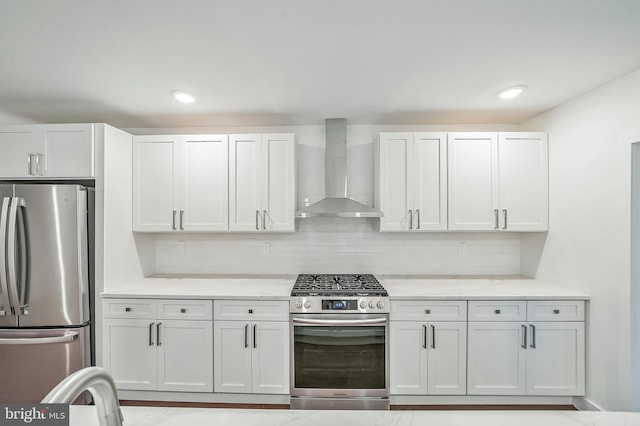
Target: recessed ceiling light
pixel 182 96
pixel 511 92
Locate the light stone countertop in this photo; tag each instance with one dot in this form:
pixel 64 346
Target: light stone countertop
pixel 160 416
pixel 477 289
pixel 278 287
pixel 271 287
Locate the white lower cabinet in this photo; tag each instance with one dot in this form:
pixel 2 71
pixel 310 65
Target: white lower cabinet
pixel 524 356
pixel 251 347
pixel 428 357
pixel 147 348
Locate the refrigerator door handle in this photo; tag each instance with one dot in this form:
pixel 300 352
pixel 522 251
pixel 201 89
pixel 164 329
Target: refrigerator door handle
pixel 23 258
pixel 69 336
pixel 11 255
pixel 4 288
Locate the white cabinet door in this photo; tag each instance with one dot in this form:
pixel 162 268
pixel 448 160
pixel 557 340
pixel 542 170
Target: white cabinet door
pixel 498 181
pixel 130 353
pixel 428 358
pixel 408 358
pixel 17 143
pixel 447 363
pixel 429 176
pixel 47 151
pixel 245 186
pixel 232 356
pixel 155 183
pixel 204 196
pixel 523 181
pixel 412 181
pixel 278 183
pixel 473 170
pixel 185 355
pixel 270 357
pixel 556 358
pixel 68 150
pixel 395 192
pixel 261 182
pixel 496 358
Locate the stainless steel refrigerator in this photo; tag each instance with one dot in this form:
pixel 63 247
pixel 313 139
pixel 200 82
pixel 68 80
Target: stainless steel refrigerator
pixel 45 293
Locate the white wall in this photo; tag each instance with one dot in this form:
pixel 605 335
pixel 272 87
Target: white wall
pixel 337 245
pixel 7 118
pixel 587 246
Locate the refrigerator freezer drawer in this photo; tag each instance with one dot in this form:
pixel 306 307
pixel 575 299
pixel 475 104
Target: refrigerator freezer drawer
pixel 34 361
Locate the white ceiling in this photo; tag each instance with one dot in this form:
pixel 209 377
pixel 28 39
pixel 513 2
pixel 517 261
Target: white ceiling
pixel 260 62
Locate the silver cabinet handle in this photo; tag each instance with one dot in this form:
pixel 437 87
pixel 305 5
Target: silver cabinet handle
pixel 424 341
pixel 533 336
pixel 69 336
pixel 495 212
pixel 158 334
pixel 524 338
pixel 410 219
pixel 257 219
pixel 151 334
pixel 40 164
pixel 418 213
pixel 433 336
pixel 31 162
pixel 181 218
pixel 255 343
pixel 4 287
pixel 264 220
pixel 504 213
pixel 173 221
pixel 246 335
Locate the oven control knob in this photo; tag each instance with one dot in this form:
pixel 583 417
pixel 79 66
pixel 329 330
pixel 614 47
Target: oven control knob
pixel 307 305
pixel 372 304
pixel 298 305
pixel 380 304
pixel 363 305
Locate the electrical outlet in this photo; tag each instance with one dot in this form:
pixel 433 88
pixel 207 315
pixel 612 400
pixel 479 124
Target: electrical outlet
pixel 266 248
pixel 462 247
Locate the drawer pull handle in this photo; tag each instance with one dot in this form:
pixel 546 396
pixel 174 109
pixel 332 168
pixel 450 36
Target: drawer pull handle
pixel 556 311
pixel 497 311
pixel 183 311
pixel 250 311
pixel 127 309
pixel 427 311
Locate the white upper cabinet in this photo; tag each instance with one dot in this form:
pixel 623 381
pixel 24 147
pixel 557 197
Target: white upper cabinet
pixel 498 181
pixel 262 182
pixel 523 181
pixel 47 151
pixel 180 183
pixel 411 181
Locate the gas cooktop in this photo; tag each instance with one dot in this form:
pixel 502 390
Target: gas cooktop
pixel 338 293
pixel 337 285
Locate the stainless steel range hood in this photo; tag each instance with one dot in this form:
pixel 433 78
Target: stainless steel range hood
pixel 336 202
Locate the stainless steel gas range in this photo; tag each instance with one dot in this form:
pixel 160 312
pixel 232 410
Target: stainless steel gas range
pixel 339 342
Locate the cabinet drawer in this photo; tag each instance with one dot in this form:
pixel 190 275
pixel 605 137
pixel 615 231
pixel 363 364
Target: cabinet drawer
pixel 250 310
pixel 129 308
pixel 493 310
pixel 555 310
pixel 455 310
pixel 185 309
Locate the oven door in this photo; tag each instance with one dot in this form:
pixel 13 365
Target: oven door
pixel 340 355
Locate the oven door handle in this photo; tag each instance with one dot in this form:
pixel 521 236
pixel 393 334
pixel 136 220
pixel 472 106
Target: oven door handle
pixel 310 321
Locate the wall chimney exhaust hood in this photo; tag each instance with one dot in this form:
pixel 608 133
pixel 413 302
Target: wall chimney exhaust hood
pixel 336 202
